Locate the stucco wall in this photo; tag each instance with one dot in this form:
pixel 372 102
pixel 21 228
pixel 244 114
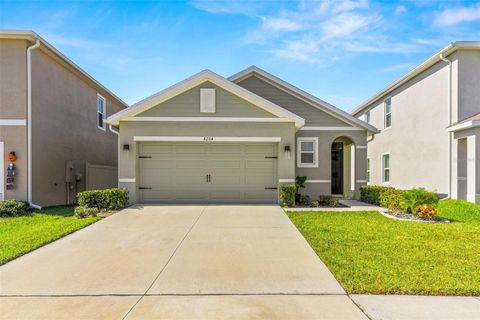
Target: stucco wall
pixel 64 128
pixel 468 83
pixel 13 105
pixel 128 159
pixel 417 140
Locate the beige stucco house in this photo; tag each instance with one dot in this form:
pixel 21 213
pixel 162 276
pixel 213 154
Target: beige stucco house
pixel 212 139
pixel 429 123
pixel 51 117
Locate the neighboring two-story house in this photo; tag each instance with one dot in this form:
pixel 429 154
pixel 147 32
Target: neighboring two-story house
pixel 51 124
pixel 429 123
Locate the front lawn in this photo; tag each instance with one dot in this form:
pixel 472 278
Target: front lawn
pixel 19 235
pixel 369 253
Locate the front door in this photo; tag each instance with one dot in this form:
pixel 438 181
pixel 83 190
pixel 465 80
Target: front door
pixel 337 168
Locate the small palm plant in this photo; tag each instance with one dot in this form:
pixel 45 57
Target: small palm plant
pixel 299 183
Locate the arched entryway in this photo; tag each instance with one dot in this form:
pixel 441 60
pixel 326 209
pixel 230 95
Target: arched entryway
pixel 343 167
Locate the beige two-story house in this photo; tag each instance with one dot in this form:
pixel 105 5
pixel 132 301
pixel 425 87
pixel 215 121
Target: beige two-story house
pixel 237 140
pixel 429 123
pixel 53 139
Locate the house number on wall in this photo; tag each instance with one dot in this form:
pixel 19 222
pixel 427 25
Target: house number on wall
pixel 207 138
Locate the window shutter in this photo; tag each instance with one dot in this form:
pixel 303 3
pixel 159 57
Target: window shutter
pixel 207 100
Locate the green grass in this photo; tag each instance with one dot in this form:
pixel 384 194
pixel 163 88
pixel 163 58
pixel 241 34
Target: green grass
pixel 19 235
pixel 369 253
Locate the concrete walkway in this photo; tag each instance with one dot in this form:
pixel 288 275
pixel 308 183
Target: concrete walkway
pixel 177 262
pixel 394 307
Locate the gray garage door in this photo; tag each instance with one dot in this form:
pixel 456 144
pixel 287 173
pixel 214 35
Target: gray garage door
pixel 213 172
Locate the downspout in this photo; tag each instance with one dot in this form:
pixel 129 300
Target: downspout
pixel 110 127
pixel 29 122
pixel 442 57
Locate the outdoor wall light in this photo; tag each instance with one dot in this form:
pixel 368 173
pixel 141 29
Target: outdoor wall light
pixel 126 147
pixel 287 152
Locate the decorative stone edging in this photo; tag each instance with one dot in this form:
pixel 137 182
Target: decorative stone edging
pixel 385 214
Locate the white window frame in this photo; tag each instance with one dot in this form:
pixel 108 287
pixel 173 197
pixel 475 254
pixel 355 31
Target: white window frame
pixel 204 94
pixel 385 113
pixel 389 168
pixel 368 170
pixel 315 152
pixel 104 114
pixel 367 116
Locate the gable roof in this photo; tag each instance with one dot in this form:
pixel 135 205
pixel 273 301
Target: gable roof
pixel 195 80
pixel 437 57
pixel 32 36
pixel 302 95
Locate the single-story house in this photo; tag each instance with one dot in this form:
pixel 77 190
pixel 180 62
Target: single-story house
pixel 236 140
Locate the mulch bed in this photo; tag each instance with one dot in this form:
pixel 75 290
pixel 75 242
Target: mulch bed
pixel 410 217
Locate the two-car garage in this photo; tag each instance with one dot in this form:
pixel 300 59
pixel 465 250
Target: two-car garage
pixel 207 172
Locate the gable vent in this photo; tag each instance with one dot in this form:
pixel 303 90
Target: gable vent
pixel 207 100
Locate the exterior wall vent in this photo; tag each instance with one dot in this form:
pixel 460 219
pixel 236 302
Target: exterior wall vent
pixel 207 100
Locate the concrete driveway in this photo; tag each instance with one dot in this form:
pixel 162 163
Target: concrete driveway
pixel 176 262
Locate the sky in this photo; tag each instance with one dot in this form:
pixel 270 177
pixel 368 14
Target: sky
pixel 341 51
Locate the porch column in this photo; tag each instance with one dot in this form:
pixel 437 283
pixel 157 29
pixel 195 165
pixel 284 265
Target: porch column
pixel 473 169
pixel 360 168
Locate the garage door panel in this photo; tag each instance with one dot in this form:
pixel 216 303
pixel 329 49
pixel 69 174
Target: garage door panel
pixel 260 148
pixel 191 149
pixel 260 164
pixel 221 164
pixel 191 164
pixel 148 164
pixel 152 148
pixel 177 172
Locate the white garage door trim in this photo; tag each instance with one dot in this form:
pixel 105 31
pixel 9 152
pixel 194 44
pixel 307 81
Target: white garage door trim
pixel 200 139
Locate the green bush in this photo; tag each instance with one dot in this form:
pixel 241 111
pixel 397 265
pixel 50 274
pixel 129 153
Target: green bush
pixel 109 199
pixel 287 195
pixel 414 198
pixel 83 212
pixel 12 208
pixel 375 194
pixel 328 201
pixel 305 200
pixel 391 198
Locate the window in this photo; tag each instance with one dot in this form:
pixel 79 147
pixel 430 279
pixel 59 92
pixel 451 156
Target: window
pixel 388 112
pixel 367 116
pixel 368 170
pixel 101 112
pixel 207 100
pixel 386 168
pixel 307 152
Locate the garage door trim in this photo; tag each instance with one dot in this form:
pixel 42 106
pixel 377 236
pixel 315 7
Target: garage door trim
pixel 206 139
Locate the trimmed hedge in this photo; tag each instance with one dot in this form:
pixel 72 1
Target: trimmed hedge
pixel 108 199
pixel 373 194
pixel 287 195
pixel 13 208
pixel 406 200
pixel 83 212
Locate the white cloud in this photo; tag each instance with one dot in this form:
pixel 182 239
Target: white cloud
pixel 345 24
pixel 69 41
pixel 226 6
pixel 397 67
pixel 280 24
pixel 400 9
pixel 453 16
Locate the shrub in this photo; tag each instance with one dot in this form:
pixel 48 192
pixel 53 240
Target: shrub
pixel 109 199
pixel 391 198
pixel 83 212
pixel 305 200
pixel 414 198
pixel 371 194
pixel 315 204
pixel 426 212
pixel 12 208
pixel 328 201
pixel 287 195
